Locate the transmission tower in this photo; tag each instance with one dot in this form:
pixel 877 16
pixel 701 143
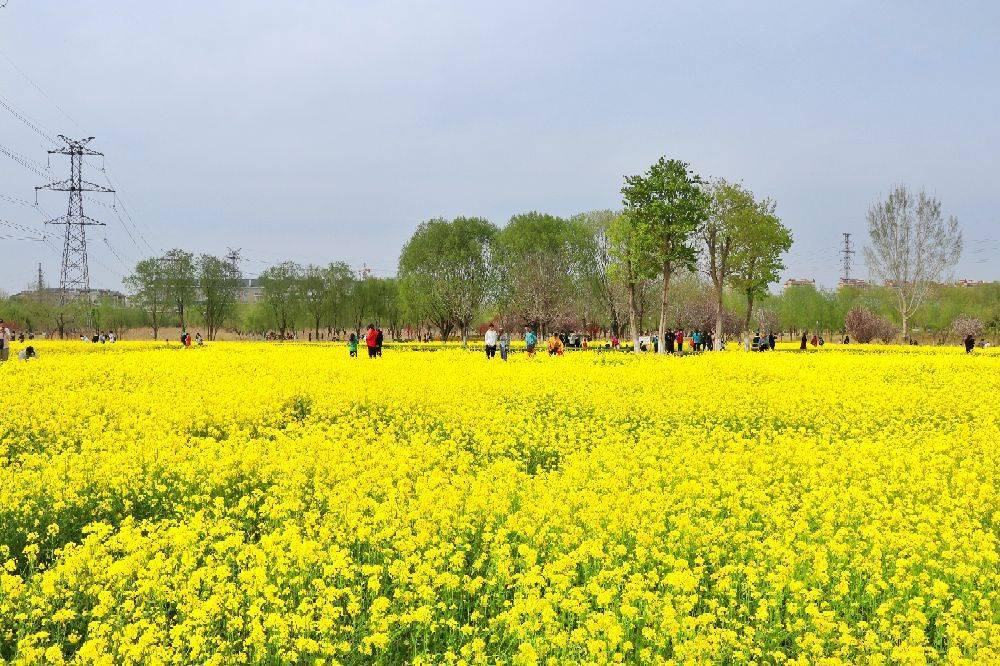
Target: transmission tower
pixel 74 274
pixel 847 252
pixel 41 279
pixel 234 256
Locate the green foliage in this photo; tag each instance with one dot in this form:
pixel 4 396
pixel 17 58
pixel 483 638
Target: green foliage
pixel 282 294
pixel 218 283
pixel 756 262
pixel 180 281
pixel 148 284
pixel 446 272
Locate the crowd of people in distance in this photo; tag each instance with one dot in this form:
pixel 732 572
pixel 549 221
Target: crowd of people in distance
pixel 100 338
pixel 7 336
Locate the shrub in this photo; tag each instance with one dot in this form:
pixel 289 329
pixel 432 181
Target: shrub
pixel 863 325
pixel 965 325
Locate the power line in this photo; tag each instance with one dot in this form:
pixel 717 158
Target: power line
pixel 37 87
pixel 26 162
pixel 31 124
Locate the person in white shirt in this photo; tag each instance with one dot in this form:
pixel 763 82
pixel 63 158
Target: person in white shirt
pixel 490 338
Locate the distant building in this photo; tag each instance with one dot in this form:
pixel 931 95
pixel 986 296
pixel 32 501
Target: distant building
pixel 853 282
pixel 250 291
pixel 93 295
pixel 799 282
pixel 971 283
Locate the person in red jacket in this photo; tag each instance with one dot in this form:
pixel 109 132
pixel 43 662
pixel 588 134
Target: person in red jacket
pixel 371 339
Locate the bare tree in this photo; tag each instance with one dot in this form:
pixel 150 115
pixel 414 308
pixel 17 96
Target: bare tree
pixel 912 247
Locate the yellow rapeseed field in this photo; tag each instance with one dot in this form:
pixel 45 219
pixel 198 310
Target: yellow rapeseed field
pixel 269 503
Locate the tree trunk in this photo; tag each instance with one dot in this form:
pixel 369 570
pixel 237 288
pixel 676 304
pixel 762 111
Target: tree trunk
pixel 663 308
pixel 746 321
pixel 633 318
pixel 717 340
pixel 906 329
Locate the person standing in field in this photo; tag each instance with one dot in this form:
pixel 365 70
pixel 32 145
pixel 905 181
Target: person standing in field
pixel 815 340
pixel 771 340
pixel 379 338
pixel 679 339
pixel 371 341
pixel 490 340
pixel 4 342
pixel 802 342
pixel 530 340
pixel 352 346
pixel 970 344
pixel 504 342
pixel 555 345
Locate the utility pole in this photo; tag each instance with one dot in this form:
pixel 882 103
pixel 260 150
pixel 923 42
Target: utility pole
pixel 847 252
pixel 41 279
pixel 74 273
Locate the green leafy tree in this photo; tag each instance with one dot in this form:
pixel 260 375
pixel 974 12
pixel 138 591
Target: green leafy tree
pixel 281 294
pixel 727 230
pixel 180 281
pixel 632 263
pixel 148 284
pixel 218 282
pixel 667 205
pixel 756 264
pixel 446 272
pixel 339 279
pixel 540 270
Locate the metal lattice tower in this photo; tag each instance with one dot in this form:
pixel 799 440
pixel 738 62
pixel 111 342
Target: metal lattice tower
pixel 41 279
pixel 847 252
pixel 75 273
pixel 234 256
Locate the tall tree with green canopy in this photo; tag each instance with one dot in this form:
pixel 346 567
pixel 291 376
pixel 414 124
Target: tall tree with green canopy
pixel 180 281
pixel 339 279
pixel 313 296
pixel 446 272
pixel 149 290
pixel 281 293
pixel 633 263
pixel 757 262
pixel 668 205
pixel 728 227
pixel 540 269
pixel 219 282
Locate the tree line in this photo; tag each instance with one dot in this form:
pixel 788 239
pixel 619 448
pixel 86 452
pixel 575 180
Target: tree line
pixel 682 251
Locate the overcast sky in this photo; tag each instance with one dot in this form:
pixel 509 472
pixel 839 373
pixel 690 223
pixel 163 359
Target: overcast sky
pixel 320 130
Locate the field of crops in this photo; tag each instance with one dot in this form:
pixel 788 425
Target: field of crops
pixel 252 502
